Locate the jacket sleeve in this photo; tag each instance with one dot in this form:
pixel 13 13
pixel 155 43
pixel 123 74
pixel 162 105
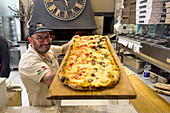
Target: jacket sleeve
pixel 5 59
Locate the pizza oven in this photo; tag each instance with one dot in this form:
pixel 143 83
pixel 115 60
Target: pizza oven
pixel 66 18
pixel 70 17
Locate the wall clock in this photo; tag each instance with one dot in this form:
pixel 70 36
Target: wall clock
pixel 65 10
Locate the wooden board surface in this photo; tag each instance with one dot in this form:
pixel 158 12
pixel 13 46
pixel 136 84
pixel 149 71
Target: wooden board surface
pixel 147 101
pixel 123 90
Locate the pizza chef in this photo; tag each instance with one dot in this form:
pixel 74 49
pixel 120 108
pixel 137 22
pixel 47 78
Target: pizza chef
pixel 39 64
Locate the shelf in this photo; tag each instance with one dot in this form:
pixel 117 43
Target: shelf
pixel 149 59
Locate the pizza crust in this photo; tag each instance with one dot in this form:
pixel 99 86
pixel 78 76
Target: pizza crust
pixel 162 91
pixel 162 86
pixel 78 87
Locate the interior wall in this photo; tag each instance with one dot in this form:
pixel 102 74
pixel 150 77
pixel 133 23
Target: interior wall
pixel 103 5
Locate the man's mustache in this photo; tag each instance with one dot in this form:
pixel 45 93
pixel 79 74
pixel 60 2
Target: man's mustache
pixel 45 44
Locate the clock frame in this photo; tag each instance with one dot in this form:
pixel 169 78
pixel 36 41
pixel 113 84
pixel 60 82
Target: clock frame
pixel 65 13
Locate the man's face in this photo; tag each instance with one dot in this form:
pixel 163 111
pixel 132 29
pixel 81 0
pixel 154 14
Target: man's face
pixel 41 42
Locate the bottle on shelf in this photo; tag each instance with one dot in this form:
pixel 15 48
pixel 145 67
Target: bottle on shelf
pixel 146 73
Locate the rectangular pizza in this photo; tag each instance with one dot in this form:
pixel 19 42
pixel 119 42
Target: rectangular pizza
pixel 89 65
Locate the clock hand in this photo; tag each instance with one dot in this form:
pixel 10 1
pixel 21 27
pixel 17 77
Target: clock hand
pixel 66 2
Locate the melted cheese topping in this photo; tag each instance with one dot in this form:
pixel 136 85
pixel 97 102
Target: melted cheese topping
pixel 90 63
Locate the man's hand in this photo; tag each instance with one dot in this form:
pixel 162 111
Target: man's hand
pixel 48 77
pixel 65 46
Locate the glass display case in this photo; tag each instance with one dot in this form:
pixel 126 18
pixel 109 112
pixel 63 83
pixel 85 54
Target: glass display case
pixel 8 29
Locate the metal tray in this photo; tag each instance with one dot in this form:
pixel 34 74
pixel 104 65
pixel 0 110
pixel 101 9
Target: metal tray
pixel 134 63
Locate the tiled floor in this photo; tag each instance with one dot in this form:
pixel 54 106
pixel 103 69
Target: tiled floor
pixel 15 78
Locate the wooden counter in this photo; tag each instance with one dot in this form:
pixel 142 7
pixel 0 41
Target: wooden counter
pixel 147 101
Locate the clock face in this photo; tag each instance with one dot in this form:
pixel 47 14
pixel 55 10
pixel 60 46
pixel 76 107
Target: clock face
pixel 65 10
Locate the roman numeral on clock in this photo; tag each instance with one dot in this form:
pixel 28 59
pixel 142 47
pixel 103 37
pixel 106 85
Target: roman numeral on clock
pixel 49 1
pixel 58 13
pixel 52 8
pixel 66 14
pixel 73 12
pixel 78 5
